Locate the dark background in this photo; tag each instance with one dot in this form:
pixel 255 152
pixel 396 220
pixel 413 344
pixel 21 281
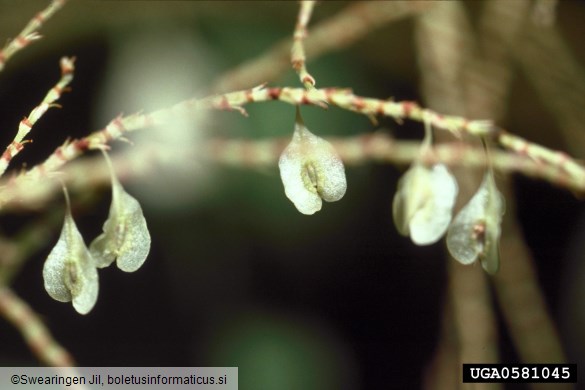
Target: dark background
pixel 236 276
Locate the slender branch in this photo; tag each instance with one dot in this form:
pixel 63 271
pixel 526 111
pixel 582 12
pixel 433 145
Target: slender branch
pixel 444 45
pixel 375 147
pixel 347 27
pixel 474 316
pixel 67 68
pixel 298 57
pixel 521 299
pixel 487 79
pixel 380 147
pixel 559 160
pixel 30 32
pixel 34 332
pixel 444 42
pixel 564 169
pixel 233 101
pixel 524 309
pixel 344 98
pixel 489 72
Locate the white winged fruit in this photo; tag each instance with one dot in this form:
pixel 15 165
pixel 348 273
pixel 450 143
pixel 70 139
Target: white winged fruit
pixel 423 203
pixel 125 238
pixel 475 231
pixel 311 170
pixel 69 272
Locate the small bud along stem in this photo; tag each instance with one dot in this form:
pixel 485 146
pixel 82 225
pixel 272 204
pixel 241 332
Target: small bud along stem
pixel 67 68
pixel 29 33
pixel 541 162
pixel 298 57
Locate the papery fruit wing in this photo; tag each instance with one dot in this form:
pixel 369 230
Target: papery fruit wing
pixel 465 239
pixel 69 272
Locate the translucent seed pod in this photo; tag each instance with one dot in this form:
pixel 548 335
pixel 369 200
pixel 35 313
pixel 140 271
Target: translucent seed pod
pixel 69 272
pixel 424 200
pixel 125 238
pixel 423 203
pixel 311 170
pixel 475 231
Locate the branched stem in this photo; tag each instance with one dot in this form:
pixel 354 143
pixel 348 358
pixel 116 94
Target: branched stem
pixel 35 333
pixel 67 68
pixel 298 58
pixel 339 31
pixel 556 166
pixel 29 33
pixel 375 147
